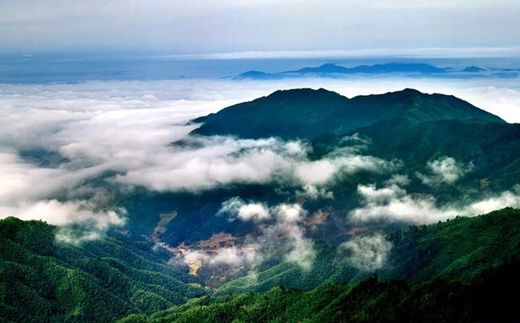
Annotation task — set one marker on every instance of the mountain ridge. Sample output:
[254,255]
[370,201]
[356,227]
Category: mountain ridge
[383,69]
[373,69]
[310,113]
[43,279]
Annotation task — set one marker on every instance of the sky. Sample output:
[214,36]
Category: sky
[448,27]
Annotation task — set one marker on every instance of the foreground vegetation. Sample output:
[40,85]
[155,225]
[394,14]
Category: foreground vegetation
[101,280]
[461,270]
[460,248]
[486,298]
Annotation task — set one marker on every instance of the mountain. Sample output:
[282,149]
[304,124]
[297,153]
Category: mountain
[448,250]
[420,68]
[385,69]
[325,68]
[102,280]
[257,75]
[307,113]
[461,270]
[486,299]
[473,69]
[44,280]
[408,126]
[492,148]
[333,69]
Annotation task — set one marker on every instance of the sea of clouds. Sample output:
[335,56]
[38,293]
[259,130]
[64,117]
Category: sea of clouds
[121,132]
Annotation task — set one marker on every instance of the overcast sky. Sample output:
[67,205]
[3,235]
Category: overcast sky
[223,26]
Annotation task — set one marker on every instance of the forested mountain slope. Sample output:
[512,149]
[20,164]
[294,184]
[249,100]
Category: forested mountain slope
[42,279]
[457,271]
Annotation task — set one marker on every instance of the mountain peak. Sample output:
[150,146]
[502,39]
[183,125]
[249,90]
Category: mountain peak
[407,93]
[309,113]
[330,65]
[409,90]
[473,69]
[302,91]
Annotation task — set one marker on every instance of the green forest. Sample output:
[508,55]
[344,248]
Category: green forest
[42,279]
[464,269]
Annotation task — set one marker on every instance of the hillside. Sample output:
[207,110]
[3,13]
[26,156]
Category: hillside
[459,249]
[45,280]
[307,113]
[460,270]
[372,300]
[493,149]
[407,126]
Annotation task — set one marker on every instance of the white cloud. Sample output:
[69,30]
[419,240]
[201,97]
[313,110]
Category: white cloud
[236,257]
[290,213]
[398,179]
[67,213]
[379,195]
[394,204]
[26,192]
[252,211]
[278,227]
[486,205]
[313,192]
[127,128]
[288,230]
[213,162]
[444,170]
[228,256]
[320,172]
[21,180]
[368,252]
[245,211]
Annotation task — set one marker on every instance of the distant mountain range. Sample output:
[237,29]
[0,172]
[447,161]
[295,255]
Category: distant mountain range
[373,69]
[407,69]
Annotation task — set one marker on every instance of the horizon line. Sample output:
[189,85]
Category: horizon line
[411,53]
